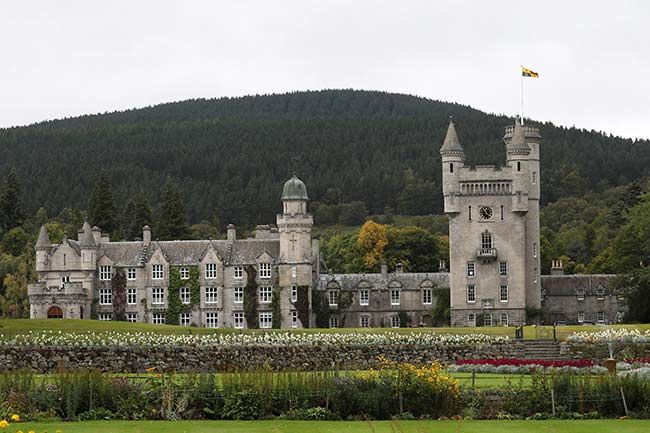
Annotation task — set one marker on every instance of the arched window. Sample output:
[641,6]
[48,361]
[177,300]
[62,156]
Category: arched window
[486,239]
[504,319]
[55,313]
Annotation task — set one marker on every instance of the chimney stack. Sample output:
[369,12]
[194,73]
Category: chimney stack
[442,266]
[146,235]
[231,233]
[384,270]
[557,267]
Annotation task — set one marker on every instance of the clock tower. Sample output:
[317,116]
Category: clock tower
[493,231]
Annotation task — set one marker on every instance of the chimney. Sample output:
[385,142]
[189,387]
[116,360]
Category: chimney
[263,232]
[231,233]
[146,235]
[384,270]
[97,234]
[557,267]
[442,266]
[399,268]
[105,237]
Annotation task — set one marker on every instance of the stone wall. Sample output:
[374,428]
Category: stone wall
[125,359]
[622,351]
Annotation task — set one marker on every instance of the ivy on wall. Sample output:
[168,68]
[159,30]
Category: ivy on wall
[118,295]
[302,305]
[323,311]
[441,311]
[275,308]
[174,305]
[250,298]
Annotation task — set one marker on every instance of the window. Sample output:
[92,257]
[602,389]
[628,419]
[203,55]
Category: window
[471,269]
[501,213]
[184,319]
[211,295]
[105,273]
[65,279]
[265,294]
[294,272]
[451,167]
[469,213]
[426,296]
[210,271]
[534,177]
[158,318]
[503,293]
[157,272]
[105,296]
[487,321]
[504,319]
[534,275]
[518,166]
[105,317]
[600,317]
[294,319]
[471,293]
[238,320]
[471,319]
[211,319]
[364,321]
[266,320]
[600,293]
[238,295]
[534,249]
[132,317]
[265,270]
[619,316]
[130,274]
[131,296]
[580,293]
[238,272]
[486,240]
[364,297]
[334,322]
[394,296]
[394,322]
[185,273]
[333,297]
[185,295]
[294,293]
[157,296]
[503,269]
[581,316]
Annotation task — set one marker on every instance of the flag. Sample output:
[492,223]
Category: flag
[525,72]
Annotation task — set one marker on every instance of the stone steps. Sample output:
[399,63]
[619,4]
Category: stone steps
[540,349]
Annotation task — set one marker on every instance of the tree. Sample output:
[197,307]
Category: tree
[415,248]
[15,241]
[172,223]
[101,208]
[11,213]
[636,287]
[118,287]
[14,303]
[137,214]
[353,213]
[371,242]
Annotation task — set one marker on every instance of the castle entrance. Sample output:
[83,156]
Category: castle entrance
[55,313]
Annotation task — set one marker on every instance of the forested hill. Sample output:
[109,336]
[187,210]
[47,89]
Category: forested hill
[231,156]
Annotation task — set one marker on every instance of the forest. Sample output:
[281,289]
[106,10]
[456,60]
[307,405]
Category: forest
[189,168]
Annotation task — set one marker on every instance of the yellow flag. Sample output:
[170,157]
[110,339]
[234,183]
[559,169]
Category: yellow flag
[525,72]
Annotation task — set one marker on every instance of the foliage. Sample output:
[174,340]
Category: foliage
[251,298]
[172,223]
[302,306]
[101,207]
[371,242]
[275,308]
[11,211]
[174,305]
[118,287]
[442,309]
[636,288]
[137,214]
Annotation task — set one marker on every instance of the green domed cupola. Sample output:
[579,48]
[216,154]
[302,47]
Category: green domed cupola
[294,189]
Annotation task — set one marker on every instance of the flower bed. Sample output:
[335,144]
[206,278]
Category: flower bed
[151,339]
[524,366]
[578,363]
[620,335]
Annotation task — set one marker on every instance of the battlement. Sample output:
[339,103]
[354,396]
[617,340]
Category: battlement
[503,187]
[530,131]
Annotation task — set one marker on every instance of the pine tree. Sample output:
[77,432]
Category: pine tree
[173,220]
[101,209]
[137,214]
[11,213]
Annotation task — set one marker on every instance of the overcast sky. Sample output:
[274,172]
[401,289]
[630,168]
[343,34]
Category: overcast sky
[65,58]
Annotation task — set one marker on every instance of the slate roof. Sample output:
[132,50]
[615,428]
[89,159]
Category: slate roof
[407,280]
[566,285]
[451,143]
[87,239]
[122,253]
[43,238]
[518,141]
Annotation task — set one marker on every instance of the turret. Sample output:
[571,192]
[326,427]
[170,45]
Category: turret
[295,223]
[453,159]
[43,247]
[88,247]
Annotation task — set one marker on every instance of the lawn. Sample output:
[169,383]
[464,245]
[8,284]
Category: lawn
[9,327]
[463,426]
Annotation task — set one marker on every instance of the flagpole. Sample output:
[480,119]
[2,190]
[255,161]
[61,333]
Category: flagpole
[521,79]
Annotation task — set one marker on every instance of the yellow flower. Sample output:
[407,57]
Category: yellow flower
[19,431]
[31,431]
[15,417]
[4,424]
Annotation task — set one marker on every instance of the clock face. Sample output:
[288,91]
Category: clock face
[485,213]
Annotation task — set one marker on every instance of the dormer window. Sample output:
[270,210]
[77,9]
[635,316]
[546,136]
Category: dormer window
[265,270]
[105,273]
[157,272]
[211,271]
[600,293]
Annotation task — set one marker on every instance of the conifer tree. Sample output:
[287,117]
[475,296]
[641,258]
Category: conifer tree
[11,213]
[101,208]
[137,214]
[172,223]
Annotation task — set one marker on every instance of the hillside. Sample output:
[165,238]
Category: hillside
[230,156]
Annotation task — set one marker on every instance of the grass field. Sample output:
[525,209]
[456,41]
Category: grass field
[462,426]
[9,327]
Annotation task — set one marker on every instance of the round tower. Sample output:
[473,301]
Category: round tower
[88,248]
[453,159]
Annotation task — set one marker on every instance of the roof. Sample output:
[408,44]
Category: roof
[407,280]
[43,238]
[518,141]
[566,285]
[87,239]
[451,143]
[122,253]
[294,189]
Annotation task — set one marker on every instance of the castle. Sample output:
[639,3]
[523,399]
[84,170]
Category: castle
[274,280]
